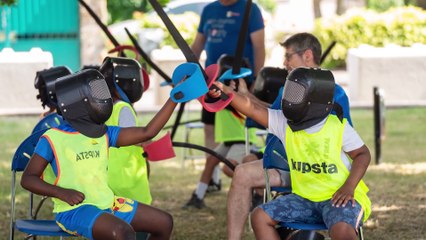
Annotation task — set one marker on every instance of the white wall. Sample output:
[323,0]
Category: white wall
[18,71]
[399,71]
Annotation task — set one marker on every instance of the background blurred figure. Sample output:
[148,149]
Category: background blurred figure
[217,34]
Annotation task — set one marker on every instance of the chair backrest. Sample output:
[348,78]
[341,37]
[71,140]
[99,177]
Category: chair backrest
[275,155]
[250,123]
[25,150]
[49,121]
[32,227]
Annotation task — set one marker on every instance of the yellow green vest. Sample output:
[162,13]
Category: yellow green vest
[230,128]
[82,165]
[127,170]
[316,168]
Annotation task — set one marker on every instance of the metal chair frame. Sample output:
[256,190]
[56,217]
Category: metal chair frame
[31,226]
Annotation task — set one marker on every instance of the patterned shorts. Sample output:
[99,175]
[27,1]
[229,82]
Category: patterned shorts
[293,208]
[80,221]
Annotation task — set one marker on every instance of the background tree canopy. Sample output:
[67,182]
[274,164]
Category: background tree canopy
[7,2]
[120,10]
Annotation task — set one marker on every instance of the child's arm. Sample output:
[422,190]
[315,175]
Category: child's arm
[361,159]
[243,104]
[32,182]
[243,90]
[134,135]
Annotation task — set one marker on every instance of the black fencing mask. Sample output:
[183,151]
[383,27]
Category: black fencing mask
[45,84]
[123,75]
[308,97]
[85,101]
[268,83]
[225,63]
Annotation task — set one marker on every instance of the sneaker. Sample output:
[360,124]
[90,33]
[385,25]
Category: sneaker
[194,202]
[214,187]
[256,200]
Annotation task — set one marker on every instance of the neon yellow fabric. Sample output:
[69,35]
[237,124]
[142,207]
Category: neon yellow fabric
[127,169]
[316,168]
[48,175]
[262,150]
[229,127]
[84,162]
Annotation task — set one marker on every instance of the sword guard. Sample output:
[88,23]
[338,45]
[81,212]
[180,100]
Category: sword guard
[188,83]
[224,100]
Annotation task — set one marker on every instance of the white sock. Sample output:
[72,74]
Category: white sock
[216,174]
[201,190]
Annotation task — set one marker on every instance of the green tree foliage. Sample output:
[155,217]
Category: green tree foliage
[120,10]
[7,2]
[268,5]
[186,24]
[383,5]
[402,26]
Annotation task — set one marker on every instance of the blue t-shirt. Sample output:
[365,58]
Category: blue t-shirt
[44,149]
[221,26]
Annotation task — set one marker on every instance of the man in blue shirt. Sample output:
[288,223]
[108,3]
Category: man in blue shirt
[217,34]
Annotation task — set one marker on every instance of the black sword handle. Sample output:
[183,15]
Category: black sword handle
[147,58]
[236,66]
[184,47]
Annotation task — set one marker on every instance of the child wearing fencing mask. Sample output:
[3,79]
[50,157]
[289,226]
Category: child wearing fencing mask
[327,158]
[127,168]
[70,164]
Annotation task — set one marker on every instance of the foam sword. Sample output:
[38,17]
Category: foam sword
[138,49]
[210,73]
[162,74]
[117,47]
[146,57]
[237,71]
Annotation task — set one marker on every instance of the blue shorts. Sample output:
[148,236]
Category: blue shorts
[293,208]
[80,221]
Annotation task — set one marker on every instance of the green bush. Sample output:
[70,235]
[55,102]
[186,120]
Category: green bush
[402,26]
[7,2]
[268,5]
[186,24]
[383,5]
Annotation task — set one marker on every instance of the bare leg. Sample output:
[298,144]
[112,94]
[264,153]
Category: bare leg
[107,226]
[154,221]
[227,171]
[246,176]
[209,137]
[342,231]
[250,158]
[263,225]
[211,163]
[209,142]
[197,197]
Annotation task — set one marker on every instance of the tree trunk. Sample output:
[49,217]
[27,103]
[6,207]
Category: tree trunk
[421,3]
[340,7]
[317,9]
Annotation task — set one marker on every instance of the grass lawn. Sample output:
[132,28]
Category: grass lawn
[397,186]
